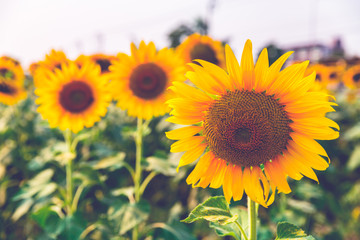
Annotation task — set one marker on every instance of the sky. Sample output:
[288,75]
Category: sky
[29,29]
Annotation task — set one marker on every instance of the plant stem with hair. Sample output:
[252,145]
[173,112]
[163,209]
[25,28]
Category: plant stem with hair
[252,215]
[138,170]
[69,170]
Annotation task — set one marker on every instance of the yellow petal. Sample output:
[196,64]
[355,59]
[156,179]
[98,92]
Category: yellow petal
[228,181]
[274,171]
[190,92]
[233,68]
[308,143]
[287,78]
[237,183]
[186,144]
[200,169]
[261,67]
[274,69]
[313,160]
[288,168]
[191,155]
[217,86]
[319,133]
[184,132]
[184,120]
[208,177]
[303,168]
[247,66]
[200,81]
[218,74]
[219,174]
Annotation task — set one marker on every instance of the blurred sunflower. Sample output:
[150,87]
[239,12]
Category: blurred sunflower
[16,62]
[322,73]
[73,98]
[139,82]
[104,61]
[11,71]
[202,47]
[253,125]
[352,77]
[52,61]
[334,75]
[11,93]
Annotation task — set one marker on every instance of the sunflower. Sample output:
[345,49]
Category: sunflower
[16,62]
[251,126]
[104,61]
[11,71]
[352,77]
[139,82]
[322,73]
[73,97]
[202,47]
[335,73]
[11,93]
[52,61]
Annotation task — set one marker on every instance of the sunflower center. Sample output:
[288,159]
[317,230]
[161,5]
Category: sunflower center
[333,75]
[6,89]
[6,73]
[104,65]
[318,77]
[246,128]
[204,52]
[76,96]
[148,81]
[356,77]
[242,135]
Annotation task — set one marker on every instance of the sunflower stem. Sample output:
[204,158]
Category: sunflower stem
[138,170]
[69,170]
[252,214]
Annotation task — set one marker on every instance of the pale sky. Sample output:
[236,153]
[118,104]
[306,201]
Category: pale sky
[31,28]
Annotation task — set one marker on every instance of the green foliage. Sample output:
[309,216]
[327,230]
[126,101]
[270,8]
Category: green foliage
[289,231]
[231,229]
[128,215]
[215,209]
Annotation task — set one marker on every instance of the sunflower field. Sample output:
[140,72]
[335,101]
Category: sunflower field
[183,142]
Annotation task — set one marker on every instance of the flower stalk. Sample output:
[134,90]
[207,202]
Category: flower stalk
[138,170]
[69,170]
[252,215]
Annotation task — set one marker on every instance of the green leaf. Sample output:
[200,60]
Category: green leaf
[161,165]
[22,209]
[41,178]
[126,191]
[39,184]
[231,229]
[112,163]
[354,161]
[72,227]
[226,230]
[176,232]
[288,231]
[47,190]
[49,220]
[215,209]
[129,215]
[353,133]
